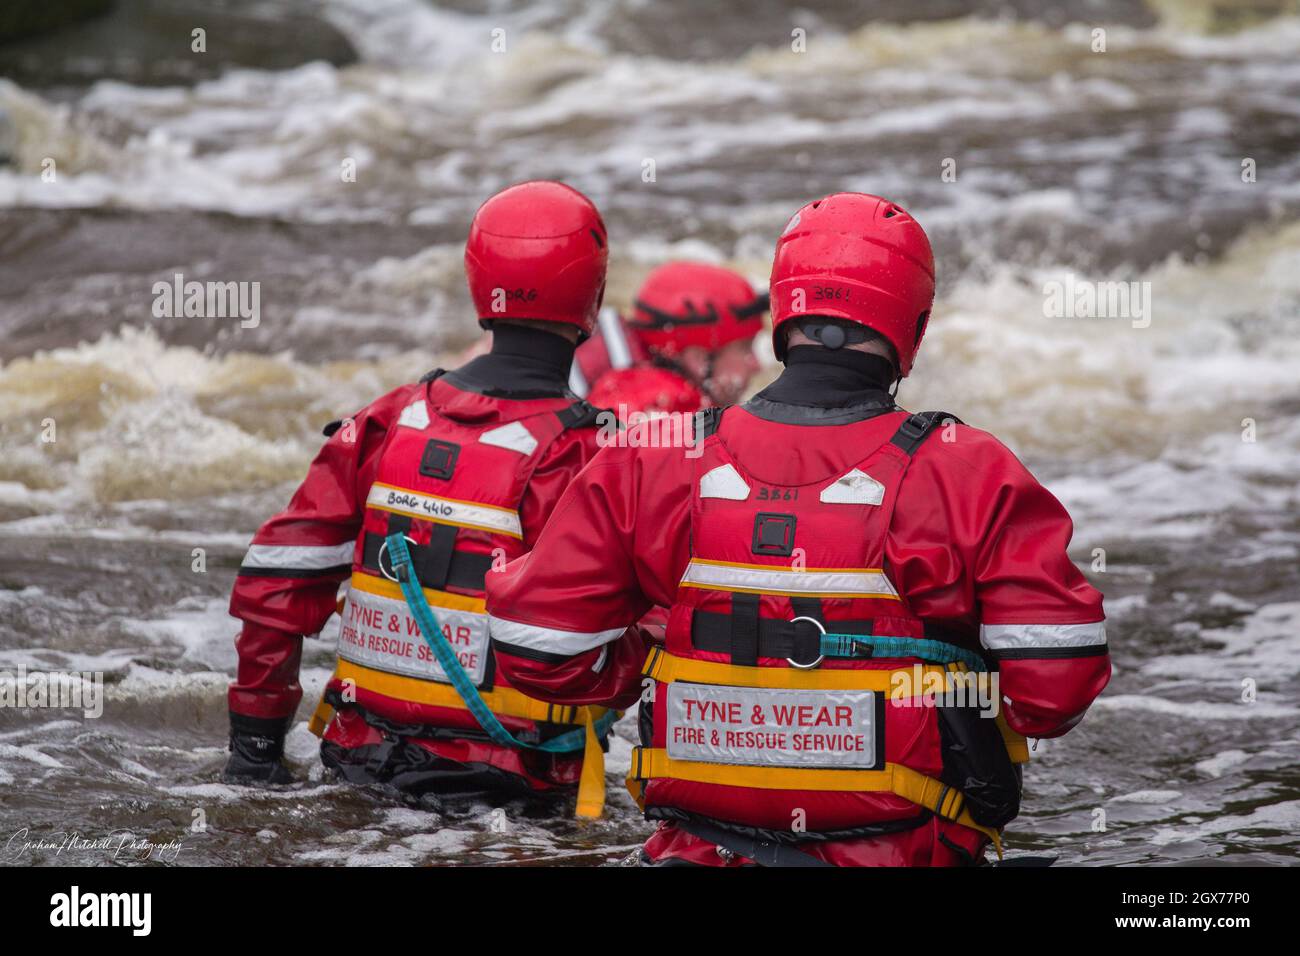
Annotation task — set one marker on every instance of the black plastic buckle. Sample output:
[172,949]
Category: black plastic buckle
[773,534]
[439,459]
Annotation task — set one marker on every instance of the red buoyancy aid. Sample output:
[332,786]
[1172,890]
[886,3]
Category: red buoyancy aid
[751,726]
[454,489]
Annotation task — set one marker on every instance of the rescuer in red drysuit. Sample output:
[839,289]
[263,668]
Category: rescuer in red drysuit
[468,464]
[694,324]
[816,545]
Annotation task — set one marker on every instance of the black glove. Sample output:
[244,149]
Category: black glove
[256,746]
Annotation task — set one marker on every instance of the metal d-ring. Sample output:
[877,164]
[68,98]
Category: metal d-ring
[379,559]
[820,657]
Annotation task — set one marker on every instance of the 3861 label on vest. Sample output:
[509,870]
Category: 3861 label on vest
[380,633]
[772,727]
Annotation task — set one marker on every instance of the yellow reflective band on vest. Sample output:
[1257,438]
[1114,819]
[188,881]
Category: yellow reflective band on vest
[453,511]
[373,584]
[788,582]
[934,795]
[503,701]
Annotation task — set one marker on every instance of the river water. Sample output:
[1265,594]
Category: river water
[1171,436]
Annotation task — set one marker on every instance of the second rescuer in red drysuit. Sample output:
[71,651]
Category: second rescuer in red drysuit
[831,562]
[695,324]
[466,466]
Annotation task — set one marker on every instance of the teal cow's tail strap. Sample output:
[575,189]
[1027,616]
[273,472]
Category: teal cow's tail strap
[867,645]
[400,556]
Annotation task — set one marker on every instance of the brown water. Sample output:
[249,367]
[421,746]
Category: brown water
[177,434]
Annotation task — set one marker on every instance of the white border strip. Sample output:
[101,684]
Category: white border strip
[432,508]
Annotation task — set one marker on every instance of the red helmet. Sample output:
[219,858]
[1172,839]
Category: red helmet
[690,303]
[860,258]
[537,251]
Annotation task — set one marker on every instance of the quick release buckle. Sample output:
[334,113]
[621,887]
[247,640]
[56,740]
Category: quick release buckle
[820,632]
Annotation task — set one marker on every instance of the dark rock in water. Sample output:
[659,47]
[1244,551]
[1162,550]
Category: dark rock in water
[8,139]
[152,42]
[20,19]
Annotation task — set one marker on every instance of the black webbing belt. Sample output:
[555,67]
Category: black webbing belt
[437,564]
[797,641]
[762,852]
[793,640]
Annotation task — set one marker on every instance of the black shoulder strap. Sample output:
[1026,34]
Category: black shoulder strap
[329,430]
[708,421]
[581,414]
[917,428]
[431,375]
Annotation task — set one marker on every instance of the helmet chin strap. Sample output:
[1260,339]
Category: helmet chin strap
[833,335]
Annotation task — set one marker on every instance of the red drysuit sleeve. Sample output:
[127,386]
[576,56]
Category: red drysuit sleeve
[563,617]
[560,464]
[976,540]
[289,579]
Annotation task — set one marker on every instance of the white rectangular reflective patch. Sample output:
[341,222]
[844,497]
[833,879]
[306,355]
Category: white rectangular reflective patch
[772,727]
[449,510]
[379,632]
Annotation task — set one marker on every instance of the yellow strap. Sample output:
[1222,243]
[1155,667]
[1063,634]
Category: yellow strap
[591,785]
[667,668]
[382,587]
[1017,746]
[320,718]
[503,701]
[933,795]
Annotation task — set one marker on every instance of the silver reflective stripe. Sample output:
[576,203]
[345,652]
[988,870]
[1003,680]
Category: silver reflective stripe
[549,639]
[448,510]
[859,582]
[1006,637]
[299,557]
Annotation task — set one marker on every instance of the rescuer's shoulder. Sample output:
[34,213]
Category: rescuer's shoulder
[387,409]
[961,449]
